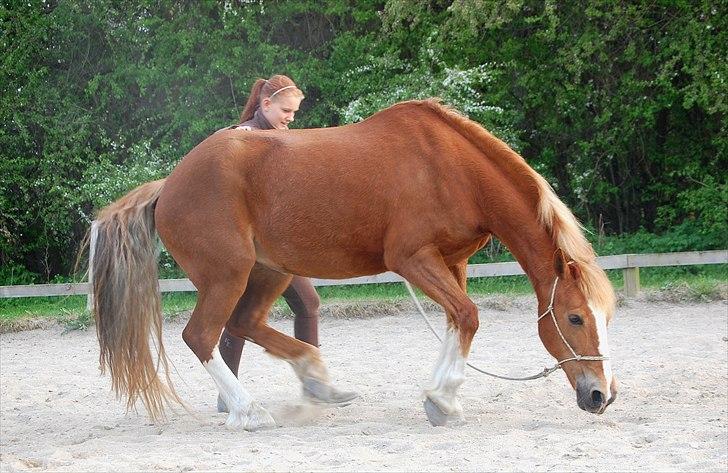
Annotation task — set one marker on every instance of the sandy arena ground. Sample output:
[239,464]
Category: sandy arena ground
[57,412]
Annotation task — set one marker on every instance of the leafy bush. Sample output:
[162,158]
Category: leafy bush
[15,274]
[688,236]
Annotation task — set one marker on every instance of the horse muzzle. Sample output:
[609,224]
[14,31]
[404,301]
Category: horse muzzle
[591,398]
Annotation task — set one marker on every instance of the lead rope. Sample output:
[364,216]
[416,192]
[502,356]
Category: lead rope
[542,374]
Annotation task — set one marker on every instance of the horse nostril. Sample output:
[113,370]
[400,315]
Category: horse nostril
[597,397]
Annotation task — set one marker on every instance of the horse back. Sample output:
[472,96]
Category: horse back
[330,202]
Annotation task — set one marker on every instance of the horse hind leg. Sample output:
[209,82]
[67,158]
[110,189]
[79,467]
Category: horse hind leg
[446,286]
[306,362]
[216,300]
[261,291]
[249,321]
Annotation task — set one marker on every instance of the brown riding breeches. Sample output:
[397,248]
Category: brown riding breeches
[304,302]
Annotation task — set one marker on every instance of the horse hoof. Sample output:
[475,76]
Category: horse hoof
[318,392]
[221,407]
[236,422]
[434,414]
[259,418]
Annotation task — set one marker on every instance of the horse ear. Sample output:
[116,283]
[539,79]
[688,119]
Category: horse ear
[574,269]
[559,263]
[565,269]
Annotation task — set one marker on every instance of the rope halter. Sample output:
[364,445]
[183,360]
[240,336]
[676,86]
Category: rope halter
[542,374]
[574,356]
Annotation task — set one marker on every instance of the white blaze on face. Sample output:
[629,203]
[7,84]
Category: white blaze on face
[601,323]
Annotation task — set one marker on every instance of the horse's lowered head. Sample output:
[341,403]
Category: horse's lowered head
[573,328]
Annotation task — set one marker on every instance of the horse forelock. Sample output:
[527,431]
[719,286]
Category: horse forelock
[560,223]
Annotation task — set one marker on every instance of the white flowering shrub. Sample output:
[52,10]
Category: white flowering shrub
[389,80]
[105,181]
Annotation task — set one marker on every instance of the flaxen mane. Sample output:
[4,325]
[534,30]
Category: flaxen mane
[558,220]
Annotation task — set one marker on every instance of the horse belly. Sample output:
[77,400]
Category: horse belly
[334,253]
[328,265]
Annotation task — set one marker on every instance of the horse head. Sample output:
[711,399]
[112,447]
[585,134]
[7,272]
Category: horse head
[574,331]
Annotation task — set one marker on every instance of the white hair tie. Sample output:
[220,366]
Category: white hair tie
[282,88]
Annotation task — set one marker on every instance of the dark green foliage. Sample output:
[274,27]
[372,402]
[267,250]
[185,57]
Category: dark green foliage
[621,105]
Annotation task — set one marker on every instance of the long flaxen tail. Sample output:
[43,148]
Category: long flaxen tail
[126,299]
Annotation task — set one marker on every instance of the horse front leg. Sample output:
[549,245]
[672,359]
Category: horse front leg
[446,286]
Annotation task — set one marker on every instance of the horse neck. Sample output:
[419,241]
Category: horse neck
[507,192]
[512,218]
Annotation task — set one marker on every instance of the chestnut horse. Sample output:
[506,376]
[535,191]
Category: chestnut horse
[415,189]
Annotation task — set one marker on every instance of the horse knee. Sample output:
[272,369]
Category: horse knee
[466,319]
[470,323]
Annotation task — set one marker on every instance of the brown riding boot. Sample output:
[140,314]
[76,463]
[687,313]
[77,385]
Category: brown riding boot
[231,347]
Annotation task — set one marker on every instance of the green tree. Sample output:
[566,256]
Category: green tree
[621,104]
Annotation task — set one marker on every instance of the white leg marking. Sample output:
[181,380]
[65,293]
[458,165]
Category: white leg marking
[449,374]
[245,413]
[601,322]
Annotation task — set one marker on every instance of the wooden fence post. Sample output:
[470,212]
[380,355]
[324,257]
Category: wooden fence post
[631,281]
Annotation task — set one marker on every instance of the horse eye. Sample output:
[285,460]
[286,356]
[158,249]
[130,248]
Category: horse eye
[575,319]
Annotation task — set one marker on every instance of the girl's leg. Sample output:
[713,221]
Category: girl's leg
[303,300]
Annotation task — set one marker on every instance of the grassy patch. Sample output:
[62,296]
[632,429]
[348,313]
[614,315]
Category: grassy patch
[499,285]
[40,307]
[686,283]
[33,312]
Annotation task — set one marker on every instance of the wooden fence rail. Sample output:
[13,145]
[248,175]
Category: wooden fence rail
[629,264]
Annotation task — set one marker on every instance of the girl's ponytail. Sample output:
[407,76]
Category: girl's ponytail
[253,101]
